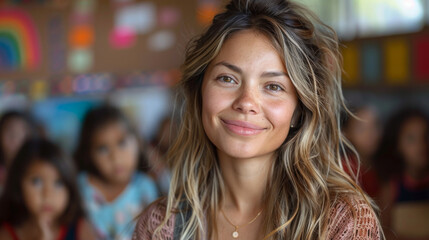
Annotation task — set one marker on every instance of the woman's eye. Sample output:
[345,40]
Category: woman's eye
[226,79]
[274,87]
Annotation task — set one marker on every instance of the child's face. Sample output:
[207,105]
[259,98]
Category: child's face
[364,134]
[45,195]
[413,143]
[115,152]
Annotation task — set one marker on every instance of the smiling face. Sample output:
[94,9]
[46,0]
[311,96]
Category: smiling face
[45,194]
[247,98]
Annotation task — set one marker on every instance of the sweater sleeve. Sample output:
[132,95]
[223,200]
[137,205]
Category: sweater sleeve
[353,218]
[149,220]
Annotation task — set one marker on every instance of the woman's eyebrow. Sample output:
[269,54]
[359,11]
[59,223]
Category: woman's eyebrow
[274,74]
[230,66]
[239,71]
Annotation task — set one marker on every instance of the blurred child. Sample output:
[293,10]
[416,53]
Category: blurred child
[403,160]
[41,200]
[363,132]
[15,128]
[112,182]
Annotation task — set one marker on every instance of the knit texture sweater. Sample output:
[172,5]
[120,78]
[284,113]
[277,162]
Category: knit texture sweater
[349,218]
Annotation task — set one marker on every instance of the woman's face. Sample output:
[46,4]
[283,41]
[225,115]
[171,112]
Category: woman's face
[247,98]
[45,194]
[115,152]
[413,143]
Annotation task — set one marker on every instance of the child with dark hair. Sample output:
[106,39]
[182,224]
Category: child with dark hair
[41,199]
[402,163]
[364,134]
[15,128]
[112,182]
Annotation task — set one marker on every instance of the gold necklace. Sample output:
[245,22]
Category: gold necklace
[235,233]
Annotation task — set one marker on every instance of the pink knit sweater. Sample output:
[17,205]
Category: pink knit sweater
[341,222]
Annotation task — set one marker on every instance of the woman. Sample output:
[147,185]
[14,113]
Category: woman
[258,154]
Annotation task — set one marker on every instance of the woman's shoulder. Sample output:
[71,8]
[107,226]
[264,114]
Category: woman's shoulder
[150,219]
[351,217]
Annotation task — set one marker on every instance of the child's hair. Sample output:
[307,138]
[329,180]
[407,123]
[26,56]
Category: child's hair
[5,118]
[389,161]
[12,205]
[94,120]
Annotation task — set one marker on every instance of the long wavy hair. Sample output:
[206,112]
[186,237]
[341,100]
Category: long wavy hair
[308,174]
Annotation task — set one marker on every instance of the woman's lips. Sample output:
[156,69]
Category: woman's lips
[242,128]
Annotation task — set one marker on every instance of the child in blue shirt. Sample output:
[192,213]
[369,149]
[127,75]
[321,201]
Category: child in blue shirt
[113,185]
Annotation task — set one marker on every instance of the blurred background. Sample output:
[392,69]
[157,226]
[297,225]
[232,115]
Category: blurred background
[59,58]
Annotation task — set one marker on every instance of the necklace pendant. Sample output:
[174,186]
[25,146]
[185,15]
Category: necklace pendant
[235,234]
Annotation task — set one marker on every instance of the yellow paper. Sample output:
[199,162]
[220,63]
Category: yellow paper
[351,64]
[39,90]
[396,61]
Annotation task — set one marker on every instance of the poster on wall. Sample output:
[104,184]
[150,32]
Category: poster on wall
[19,41]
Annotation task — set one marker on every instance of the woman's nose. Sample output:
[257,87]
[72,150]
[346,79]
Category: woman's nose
[247,101]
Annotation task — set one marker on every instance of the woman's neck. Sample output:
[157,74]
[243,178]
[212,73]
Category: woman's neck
[245,183]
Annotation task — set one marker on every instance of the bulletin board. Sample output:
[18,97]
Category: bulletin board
[395,61]
[61,47]
[56,39]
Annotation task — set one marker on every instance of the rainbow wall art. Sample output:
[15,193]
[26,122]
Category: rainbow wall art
[19,42]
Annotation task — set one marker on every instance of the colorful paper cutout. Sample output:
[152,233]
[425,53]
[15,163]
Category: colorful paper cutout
[39,90]
[122,38]
[140,17]
[19,42]
[81,36]
[80,60]
[397,62]
[161,41]
[350,55]
[421,59]
[206,13]
[169,16]
[371,63]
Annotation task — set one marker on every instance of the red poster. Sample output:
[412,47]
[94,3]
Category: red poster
[421,59]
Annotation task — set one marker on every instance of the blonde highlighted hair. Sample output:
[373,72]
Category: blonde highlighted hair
[308,173]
